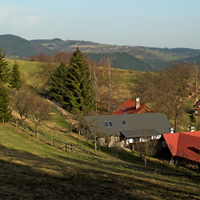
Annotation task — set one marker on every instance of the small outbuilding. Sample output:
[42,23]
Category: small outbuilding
[182,148]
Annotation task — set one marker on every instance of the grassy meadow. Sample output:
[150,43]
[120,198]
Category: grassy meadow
[33,169]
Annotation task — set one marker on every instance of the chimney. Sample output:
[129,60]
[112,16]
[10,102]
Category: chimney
[137,103]
[191,128]
[171,130]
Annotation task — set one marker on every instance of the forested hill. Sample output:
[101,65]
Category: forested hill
[123,57]
[124,60]
[191,60]
[17,47]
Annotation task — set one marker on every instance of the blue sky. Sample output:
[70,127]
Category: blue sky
[153,23]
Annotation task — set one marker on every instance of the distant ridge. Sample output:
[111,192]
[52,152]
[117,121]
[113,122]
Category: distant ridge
[123,57]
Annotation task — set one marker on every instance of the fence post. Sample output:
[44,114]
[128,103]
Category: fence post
[46,138]
[16,123]
[66,147]
[52,141]
[63,146]
[72,147]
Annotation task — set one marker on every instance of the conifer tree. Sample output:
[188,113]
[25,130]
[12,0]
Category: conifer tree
[57,87]
[79,87]
[4,101]
[3,69]
[15,80]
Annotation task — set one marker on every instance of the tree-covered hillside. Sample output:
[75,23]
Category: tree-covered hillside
[122,60]
[14,46]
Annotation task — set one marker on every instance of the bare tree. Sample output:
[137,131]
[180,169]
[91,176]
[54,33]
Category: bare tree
[164,90]
[21,102]
[91,131]
[146,149]
[111,79]
[95,77]
[39,110]
[172,94]
[141,84]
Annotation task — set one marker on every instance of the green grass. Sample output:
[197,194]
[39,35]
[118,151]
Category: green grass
[31,169]
[27,69]
[35,74]
[166,57]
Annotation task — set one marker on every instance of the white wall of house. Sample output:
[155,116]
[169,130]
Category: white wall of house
[155,137]
[128,141]
[115,142]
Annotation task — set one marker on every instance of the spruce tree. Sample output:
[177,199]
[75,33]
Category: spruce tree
[79,87]
[3,68]
[15,80]
[57,87]
[4,101]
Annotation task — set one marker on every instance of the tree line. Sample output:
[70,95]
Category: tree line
[80,85]
[21,99]
[167,91]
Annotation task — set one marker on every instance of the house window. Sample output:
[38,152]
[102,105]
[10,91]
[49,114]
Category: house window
[164,144]
[110,123]
[123,122]
[130,140]
[121,107]
[196,112]
[124,108]
[106,123]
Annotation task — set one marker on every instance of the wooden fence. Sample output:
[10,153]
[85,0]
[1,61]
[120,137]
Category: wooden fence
[64,146]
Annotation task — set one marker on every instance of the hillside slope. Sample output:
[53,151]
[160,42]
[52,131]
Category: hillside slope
[33,169]
[123,60]
[18,47]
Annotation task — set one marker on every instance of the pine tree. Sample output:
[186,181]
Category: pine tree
[4,101]
[79,87]
[57,87]
[3,69]
[15,80]
[5,114]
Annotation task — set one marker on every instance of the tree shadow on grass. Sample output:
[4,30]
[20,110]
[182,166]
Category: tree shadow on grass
[78,179]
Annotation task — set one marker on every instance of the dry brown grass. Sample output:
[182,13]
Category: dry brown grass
[31,169]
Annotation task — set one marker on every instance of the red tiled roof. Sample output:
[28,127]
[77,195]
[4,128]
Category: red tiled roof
[129,107]
[184,144]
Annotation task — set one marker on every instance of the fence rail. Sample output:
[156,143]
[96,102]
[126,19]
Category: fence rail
[64,146]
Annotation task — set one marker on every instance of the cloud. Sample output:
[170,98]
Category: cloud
[15,17]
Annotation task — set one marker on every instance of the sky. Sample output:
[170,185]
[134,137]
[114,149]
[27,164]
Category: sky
[152,23]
